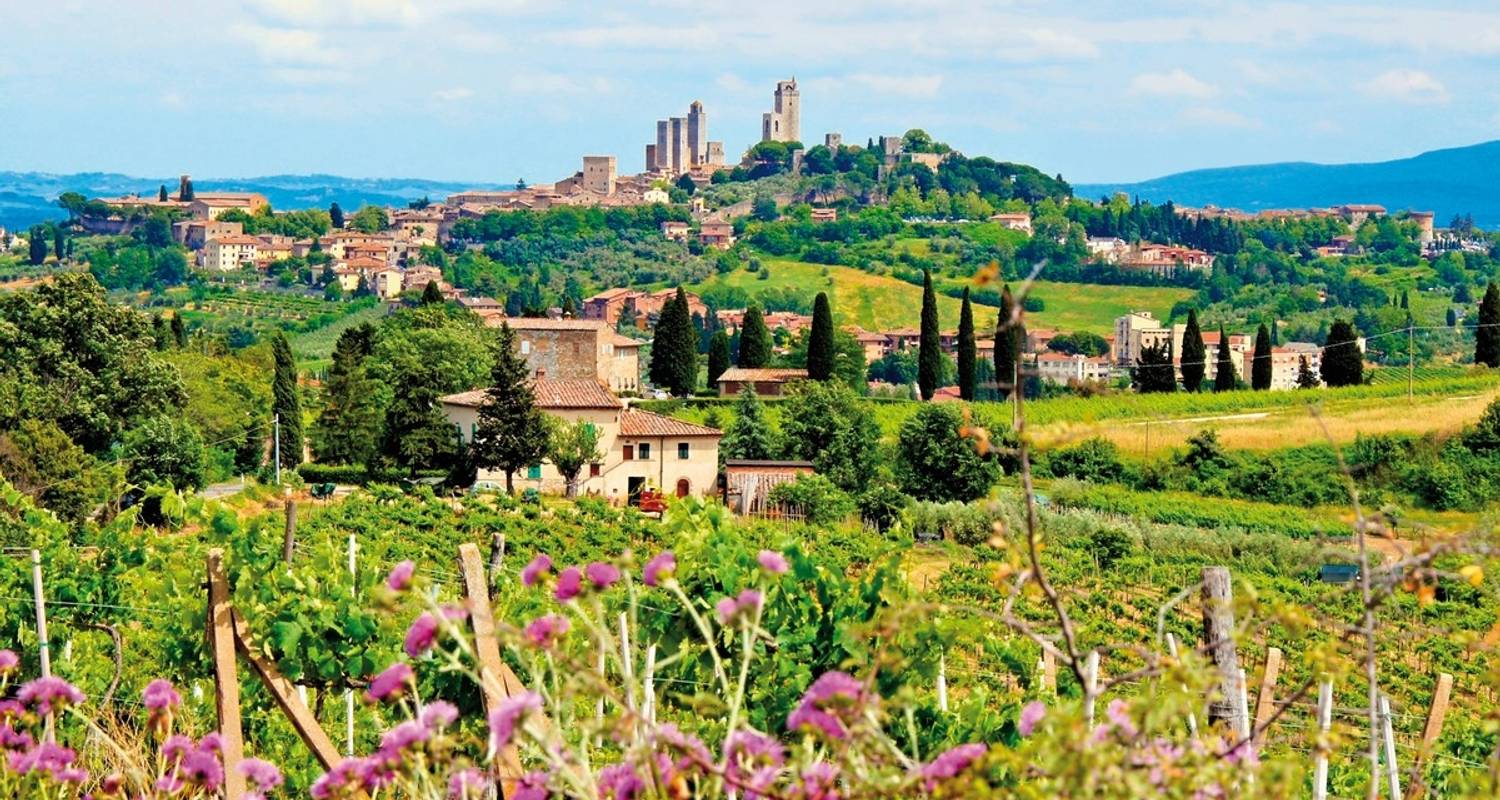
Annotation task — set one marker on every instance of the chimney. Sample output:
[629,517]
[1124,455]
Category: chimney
[541,373]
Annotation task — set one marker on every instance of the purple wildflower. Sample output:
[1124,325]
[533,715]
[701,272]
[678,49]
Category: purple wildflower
[693,752]
[9,662]
[819,782]
[396,741]
[659,568]
[830,705]
[543,631]
[45,695]
[202,768]
[951,762]
[1030,716]
[536,570]
[601,574]
[263,774]
[11,739]
[750,600]
[389,684]
[175,747]
[752,759]
[159,695]
[1243,754]
[533,786]
[772,562]
[421,635]
[400,577]
[727,609]
[211,742]
[467,784]
[10,709]
[509,715]
[620,782]
[439,714]
[569,584]
[1119,714]
[72,775]
[329,783]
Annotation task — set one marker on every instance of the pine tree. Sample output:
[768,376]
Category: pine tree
[1405,299]
[929,350]
[1223,365]
[1154,371]
[674,348]
[336,216]
[755,340]
[432,295]
[718,357]
[161,194]
[179,331]
[1260,361]
[1452,318]
[512,433]
[966,349]
[568,309]
[820,340]
[285,403]
[1487,335]
[1343,363]
[1194,354]
[348,427]
[1306,378]
[1007,346]
[749,434]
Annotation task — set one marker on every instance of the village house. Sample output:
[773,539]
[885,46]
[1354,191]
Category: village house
[638,450]
[385,281]
[194,234]
[416,278]
[716,234]
[748,482]
[1020,221]
[231,252]
[875,345]
[730,319]
[1066,369]
[676,230]
[1356,213]
[209,205]
[274,248]
[576,349]
[765,381]
[419,226]
[611,304]
[825,215]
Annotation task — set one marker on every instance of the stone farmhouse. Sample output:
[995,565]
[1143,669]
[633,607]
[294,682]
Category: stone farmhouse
[576,349]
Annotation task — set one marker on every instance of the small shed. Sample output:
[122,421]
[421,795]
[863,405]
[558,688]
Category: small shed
[748,482]
[765,381]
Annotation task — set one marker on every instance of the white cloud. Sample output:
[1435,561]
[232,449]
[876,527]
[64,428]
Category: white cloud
[319,13]
[455,93]
[1176,83]
[287,46]
[733,83]
[557,83]
[1209,117]
[898,85]
[1411,86]
[171,99]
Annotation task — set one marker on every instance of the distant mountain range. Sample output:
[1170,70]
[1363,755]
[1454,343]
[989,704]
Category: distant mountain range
[27,198]
[1458,180]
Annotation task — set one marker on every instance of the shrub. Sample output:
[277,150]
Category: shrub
[1095,459]
[1108,545]
[881,506]
[967,524]
[818,498]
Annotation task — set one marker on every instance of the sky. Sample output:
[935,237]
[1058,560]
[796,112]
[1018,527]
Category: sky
[494,90]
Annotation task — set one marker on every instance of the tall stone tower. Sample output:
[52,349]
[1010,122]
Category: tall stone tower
[783,123]
[697,134]
[663,145]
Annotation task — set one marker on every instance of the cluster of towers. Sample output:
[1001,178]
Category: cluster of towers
[682,143]
[783,122]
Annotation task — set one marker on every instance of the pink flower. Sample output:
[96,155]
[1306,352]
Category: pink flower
[400,577]
[602,575]
[1119,714]
[533,786]
[389,684]
[669,738]
[395,742]
[536,570]
[950,763]
[467,784]
[819,782]
[9,662]
[569,584]
[175,747]
[211,741]
[439,714]
[772,562]
[749,601]
[511,713]
[159,695]
[752,760]
[726,608]
[659,568]
[345,773]
[45,695]
[263,774]
[620,782]
[543,631]
[1030,716]
[829,706]
[202,768]
[421,635]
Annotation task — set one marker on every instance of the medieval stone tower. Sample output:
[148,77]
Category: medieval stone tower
[784,122]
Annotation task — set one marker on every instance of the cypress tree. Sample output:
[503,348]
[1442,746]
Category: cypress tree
[1194,354]
[36,245]
[1405,299]
[285,403]
[1306,378]
[1260,362]
[820,340]
[718,356]
[1343,363]
[179,331]
[1452,318]
[1275,333]
[432,295]
[1487,335]
[929,352]
[683,369]
[966,352]
[161,194]
[1223,365]
[1007,346]
[755,340]
[512,433]
[1154,371]
[336,215]
[569,311]
[749,434]
[59,242]
[186,194]
[348,428]
[159,331]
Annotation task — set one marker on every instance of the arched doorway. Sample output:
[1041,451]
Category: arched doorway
[683,487]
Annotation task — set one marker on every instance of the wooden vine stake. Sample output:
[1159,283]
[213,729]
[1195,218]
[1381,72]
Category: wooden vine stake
[1265,704]
[1431,733]
[498,680]
[1218,637]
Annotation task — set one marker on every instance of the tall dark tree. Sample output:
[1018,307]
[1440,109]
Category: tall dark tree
[1306,378]
[820,340]
[1260,360]
[1223,365]
[1405,299]
[285,403]
[59,242]
[674,348]
[1007,346]
[432,295]
[348,428]
[755,340]
[1343,362]
[1154,371]
[1194,354]
[966,349]
[929,349]
[185,190]
[1487,335]
[569,311]
[336,215]
[1451,318]
[179,331]
[718,357]
[161,194]
[512,433]
[36,241]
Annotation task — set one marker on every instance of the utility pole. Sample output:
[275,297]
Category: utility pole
[276,445]
[1411,355]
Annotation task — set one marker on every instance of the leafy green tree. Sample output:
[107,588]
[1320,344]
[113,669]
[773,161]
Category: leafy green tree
[1306,378]
[1223,365]
[929,350]
[432,295]
[1008,338]
[164,450]
[755,340]
[820,341]
[347,430]
[718,356]
[1194,354]
[1451,318]
[1260,361]
[825,423]
[512,432]
[39,460]
[937,461]
[1343,362]
[674,348]
[966,349]
[370,219]
[749,434]
[1154,371]
[764,208]
[285,402]
[571,446]
[686,184]
[154,231]
[1487,335]
[179,331]
[335,216]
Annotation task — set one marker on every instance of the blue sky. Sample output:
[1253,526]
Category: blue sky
[491,90]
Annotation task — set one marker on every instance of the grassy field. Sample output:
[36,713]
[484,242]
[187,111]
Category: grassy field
[881,302]
[314,348]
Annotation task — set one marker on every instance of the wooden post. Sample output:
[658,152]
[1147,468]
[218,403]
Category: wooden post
[288,696]
[942,682]
[648,704]
[349,693]
[1049,672]
[226,680]
[1244,706]
[1091,683]
[1392,776]
[497,553]
[1432,732]
[289,539]
[1192,718]
[1266,702]
[1325,720]
[43,646]
[1218,637]
[498,682]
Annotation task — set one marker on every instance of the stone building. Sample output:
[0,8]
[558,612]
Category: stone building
[766,382]
[576,349]
[697,134]
[599,174]
[783,123]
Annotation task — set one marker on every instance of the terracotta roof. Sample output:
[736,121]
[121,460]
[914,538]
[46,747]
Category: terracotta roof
[551,393]
[644,423]
[762,375]
[546,324]
[610,294]
[622,341]
[363,262]
[235,238]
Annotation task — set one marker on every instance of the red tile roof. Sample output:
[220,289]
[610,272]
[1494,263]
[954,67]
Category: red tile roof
[763,375]
[644,423]
[551,393]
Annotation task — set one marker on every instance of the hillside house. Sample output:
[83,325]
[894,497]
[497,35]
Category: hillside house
[716,234]
[209,205]
[1065,369]
[1014,221]
[231,252]
[765,381]
[576,349]
[675,230]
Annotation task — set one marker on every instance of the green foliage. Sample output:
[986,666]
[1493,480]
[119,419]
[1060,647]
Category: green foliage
[1487,335]
[929,353]
[938,461]
[1343,361]
[1260,363]
[1154,371]
[820,341]
[347,430]
[820,501]
[881,506]
[369,219]
[966,350]
[164,450]
[755,340]
[1180,508]
[1008,340]
[39,460]
[431,294]
[286,404]
[967,524]
[512,432]
[674,348]
[718,357]
[1224,372]
[1194,354]
[824,423]
[749,435]
[1096,459]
